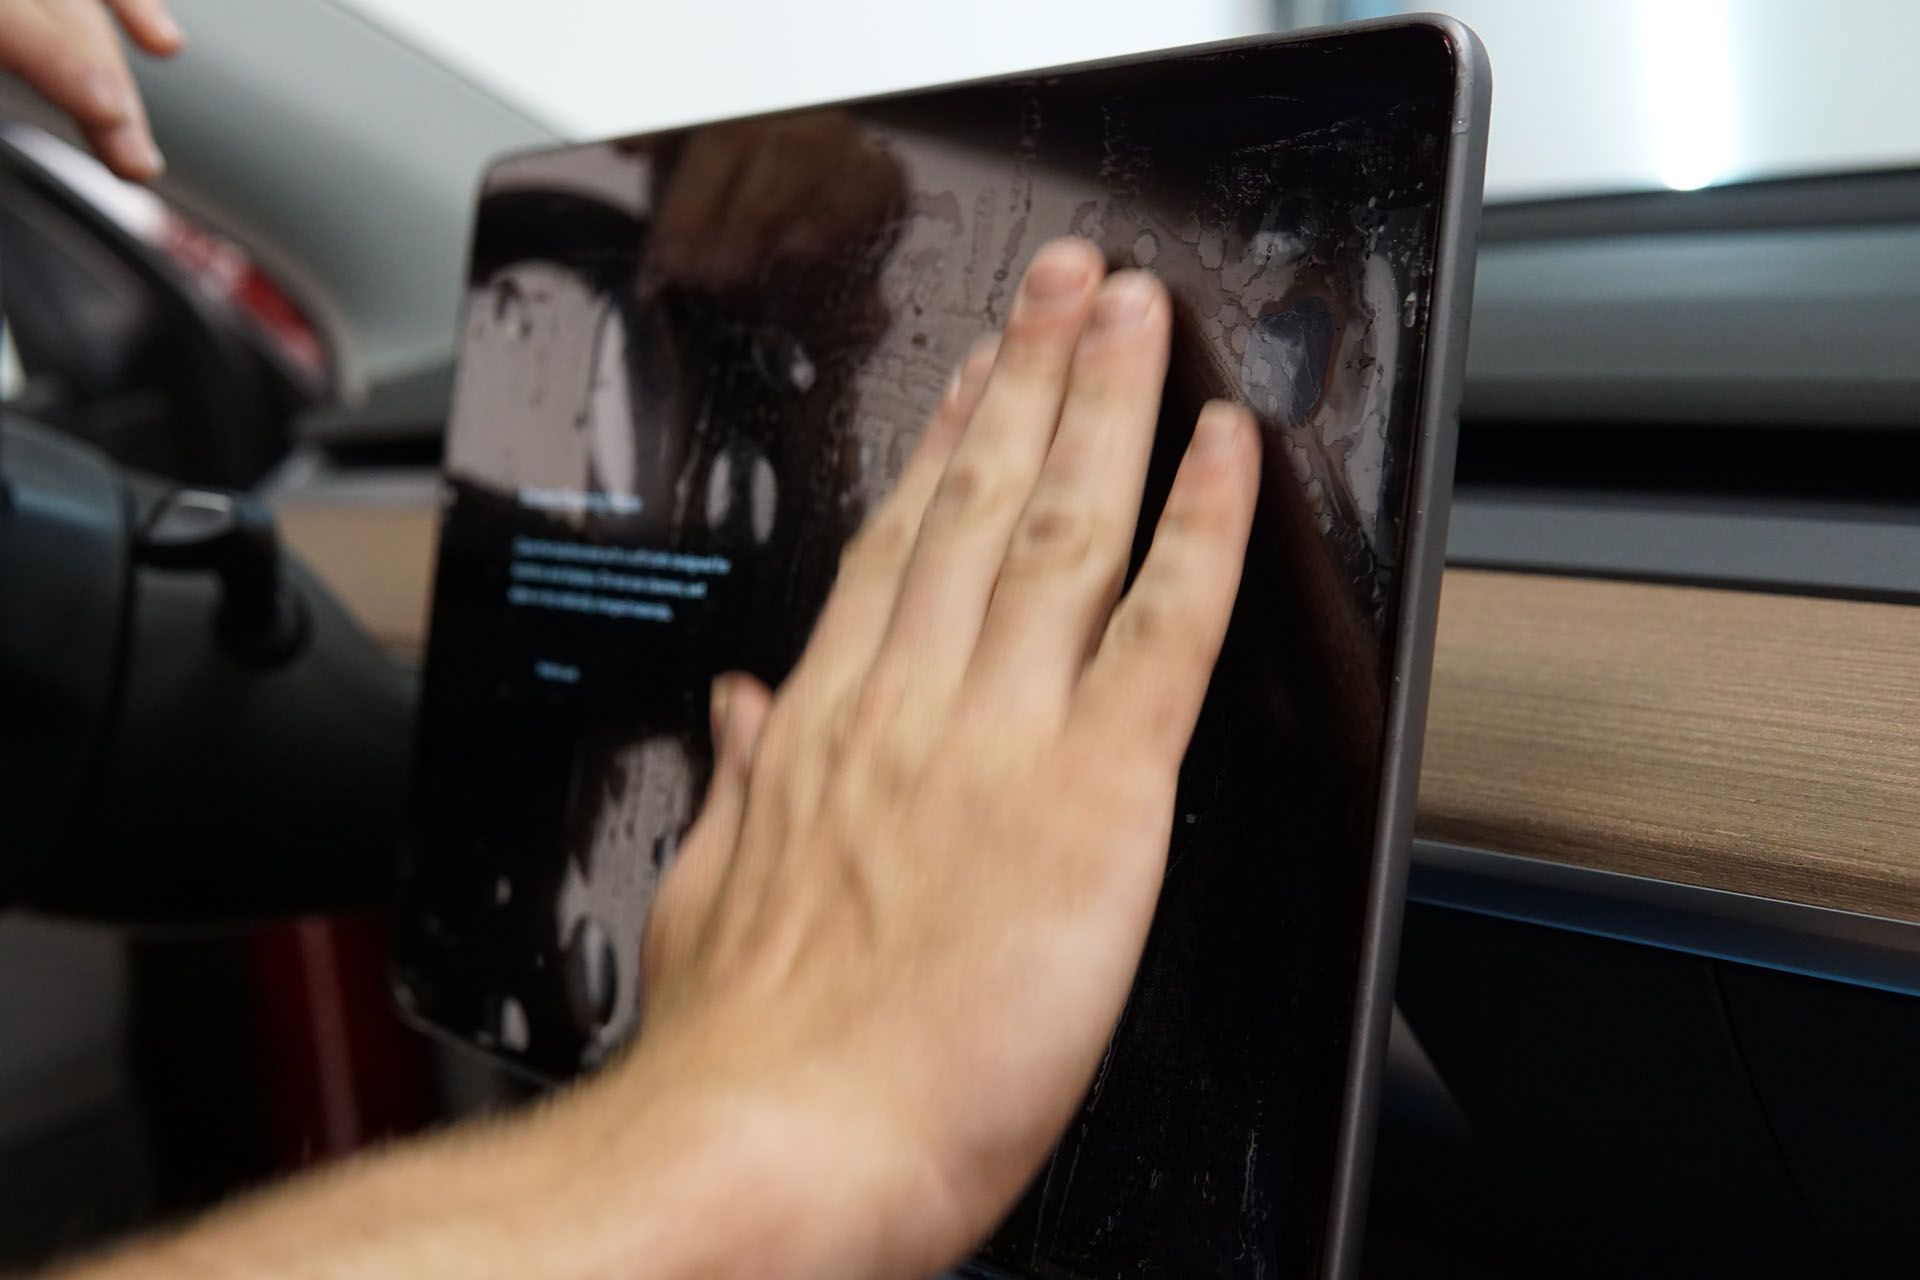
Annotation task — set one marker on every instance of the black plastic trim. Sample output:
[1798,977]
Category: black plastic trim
[1800,548]
[1841,946]
[1811,326]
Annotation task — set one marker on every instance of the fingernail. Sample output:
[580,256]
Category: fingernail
[1123,304]
[1218,431]
[1060,271]
[166,28]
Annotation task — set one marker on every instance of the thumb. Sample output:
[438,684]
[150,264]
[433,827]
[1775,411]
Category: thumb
[736,710]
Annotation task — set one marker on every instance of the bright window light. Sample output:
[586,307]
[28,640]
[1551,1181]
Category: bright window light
[1688,69]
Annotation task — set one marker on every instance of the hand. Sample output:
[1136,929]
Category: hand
[884,968]
[904,925]
[68,52]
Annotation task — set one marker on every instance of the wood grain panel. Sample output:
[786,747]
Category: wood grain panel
[1763,744]
[377,559]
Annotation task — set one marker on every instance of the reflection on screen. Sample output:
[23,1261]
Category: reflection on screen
[692,361]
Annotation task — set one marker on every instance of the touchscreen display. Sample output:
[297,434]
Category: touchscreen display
[691,362]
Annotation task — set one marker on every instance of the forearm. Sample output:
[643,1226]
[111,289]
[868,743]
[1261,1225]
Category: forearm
[494,1199]
[633,1175]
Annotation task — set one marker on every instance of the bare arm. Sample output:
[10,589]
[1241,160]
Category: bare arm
[882,972]
[623,1177]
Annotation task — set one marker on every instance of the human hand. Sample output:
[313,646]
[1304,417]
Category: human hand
[903,927]
[68,52]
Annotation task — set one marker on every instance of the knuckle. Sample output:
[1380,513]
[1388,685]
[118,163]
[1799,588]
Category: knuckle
[1056,535]
[843,726]
[1142,623]
[880,695]
[882,546]
[1189,522]
[967,494]
[87,89]
[1150,617]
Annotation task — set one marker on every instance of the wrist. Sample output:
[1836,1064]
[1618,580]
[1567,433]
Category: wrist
[723,1172]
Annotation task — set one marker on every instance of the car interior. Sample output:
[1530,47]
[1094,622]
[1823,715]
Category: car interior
[1657,1010]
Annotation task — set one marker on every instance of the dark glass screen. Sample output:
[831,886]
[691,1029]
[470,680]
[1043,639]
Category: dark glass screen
[691,361]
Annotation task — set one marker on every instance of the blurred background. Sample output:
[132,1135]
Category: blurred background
[1697,304]
[1593,97]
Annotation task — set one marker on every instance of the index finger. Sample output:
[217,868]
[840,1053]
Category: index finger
[70,56]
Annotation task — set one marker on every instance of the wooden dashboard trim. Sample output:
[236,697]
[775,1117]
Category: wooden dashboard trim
[1760,744]
[1757,743]
[376,557]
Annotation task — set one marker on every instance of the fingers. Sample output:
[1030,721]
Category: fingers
[868,584]
[969,520]
[69,54]
[127,146]
[1147,680]
[738,710]
[149,25]
[1068,555]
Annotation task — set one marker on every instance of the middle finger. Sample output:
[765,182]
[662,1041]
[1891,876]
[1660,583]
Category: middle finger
[963,537]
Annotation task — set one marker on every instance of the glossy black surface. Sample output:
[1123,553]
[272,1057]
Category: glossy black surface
[661,439]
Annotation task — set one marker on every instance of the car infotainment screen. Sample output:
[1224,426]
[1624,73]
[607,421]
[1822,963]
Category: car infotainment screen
[691,362]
